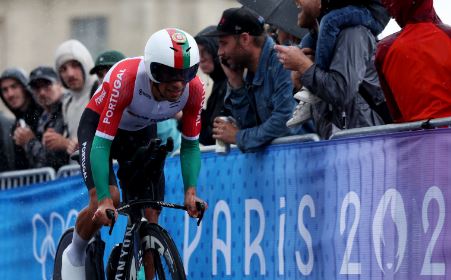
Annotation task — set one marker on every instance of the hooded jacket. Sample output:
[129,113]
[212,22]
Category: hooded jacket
[30,115]
[414,65]
[377,10]
[215,103]
[6,145]
[74,105]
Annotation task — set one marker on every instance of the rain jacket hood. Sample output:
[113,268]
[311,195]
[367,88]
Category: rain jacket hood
[74,50]
[211,45]
[32,113]
[74,105]
[411,11]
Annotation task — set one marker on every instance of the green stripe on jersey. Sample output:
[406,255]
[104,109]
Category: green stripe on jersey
[186,54]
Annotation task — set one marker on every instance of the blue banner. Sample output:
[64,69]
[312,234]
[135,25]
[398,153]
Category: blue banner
[362,208]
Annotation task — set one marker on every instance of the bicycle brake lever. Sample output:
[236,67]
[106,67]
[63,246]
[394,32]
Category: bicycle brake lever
[110,215]
[201,208]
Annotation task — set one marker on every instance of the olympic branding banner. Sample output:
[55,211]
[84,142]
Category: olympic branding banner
[363,208]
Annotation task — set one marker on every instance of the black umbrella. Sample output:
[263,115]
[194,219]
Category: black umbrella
[281,13]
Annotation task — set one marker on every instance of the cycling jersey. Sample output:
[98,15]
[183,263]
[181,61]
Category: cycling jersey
[125,101]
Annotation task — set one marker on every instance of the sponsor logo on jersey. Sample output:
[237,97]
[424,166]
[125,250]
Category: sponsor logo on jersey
[117,84]
[198,119]
[179,37]
[83,160]
[141,92]
[100,98]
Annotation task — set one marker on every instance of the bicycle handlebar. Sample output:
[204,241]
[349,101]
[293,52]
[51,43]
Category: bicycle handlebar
[145,203]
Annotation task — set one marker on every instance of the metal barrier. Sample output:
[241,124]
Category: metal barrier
[311,137]
[14,179]
[68,170]
[391,128]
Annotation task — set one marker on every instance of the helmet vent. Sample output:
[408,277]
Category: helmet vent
[187,50]
[173,49]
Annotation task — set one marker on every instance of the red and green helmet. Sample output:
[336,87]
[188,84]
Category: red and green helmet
[171,54]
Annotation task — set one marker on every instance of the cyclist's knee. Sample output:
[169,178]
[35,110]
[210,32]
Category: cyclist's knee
[152,215]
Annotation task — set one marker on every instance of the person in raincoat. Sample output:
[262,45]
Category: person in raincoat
[414,65]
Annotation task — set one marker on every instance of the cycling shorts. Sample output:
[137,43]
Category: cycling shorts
[123,149]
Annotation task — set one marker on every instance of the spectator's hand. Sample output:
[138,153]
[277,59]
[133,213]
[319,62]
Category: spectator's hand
[294,58]
[72,146]
[23,135]
[52,140]
[190,202]
[225,131]
[234,74]
[100,216]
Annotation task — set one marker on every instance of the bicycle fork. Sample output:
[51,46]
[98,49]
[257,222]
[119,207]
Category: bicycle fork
[129,259]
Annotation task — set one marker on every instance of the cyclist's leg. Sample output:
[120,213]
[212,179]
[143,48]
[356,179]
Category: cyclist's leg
[127,146]
[85,228]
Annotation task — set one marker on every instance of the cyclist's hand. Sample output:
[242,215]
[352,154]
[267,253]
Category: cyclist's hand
[100,216]
[190,202]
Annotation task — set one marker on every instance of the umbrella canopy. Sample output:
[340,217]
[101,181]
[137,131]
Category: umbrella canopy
[281,13]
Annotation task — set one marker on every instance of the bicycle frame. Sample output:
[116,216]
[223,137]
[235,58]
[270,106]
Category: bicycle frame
[130,258]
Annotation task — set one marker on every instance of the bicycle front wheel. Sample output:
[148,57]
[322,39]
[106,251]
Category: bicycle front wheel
[166,258]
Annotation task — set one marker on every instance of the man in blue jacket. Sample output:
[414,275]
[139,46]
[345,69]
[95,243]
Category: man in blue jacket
[260,92]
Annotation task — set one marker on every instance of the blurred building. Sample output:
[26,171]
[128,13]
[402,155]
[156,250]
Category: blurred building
[31,30]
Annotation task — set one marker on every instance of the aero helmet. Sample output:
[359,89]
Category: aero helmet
[171,54]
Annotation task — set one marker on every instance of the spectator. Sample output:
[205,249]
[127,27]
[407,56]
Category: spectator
[414,65]
[104,62]
[341,14]
[73,62]
[18,99]
[350,77]
[210,65]
[6,145]
[42,152]
[259,93]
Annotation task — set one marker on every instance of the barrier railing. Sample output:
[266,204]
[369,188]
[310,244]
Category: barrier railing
[68,170]
[390,128]
[13,179]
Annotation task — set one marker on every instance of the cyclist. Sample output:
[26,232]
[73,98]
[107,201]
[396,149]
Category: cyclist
[135,94]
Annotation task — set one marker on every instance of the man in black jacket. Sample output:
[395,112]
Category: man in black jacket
[48,92]
[18,99]
[350,81]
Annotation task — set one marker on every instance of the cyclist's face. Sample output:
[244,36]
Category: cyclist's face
[170,91]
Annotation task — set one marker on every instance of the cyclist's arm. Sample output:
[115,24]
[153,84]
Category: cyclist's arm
[119,93]
[191,125]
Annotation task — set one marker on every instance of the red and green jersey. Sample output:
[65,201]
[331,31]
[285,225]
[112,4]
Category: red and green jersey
[125,101]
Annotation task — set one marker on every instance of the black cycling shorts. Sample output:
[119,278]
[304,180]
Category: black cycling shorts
[123,149]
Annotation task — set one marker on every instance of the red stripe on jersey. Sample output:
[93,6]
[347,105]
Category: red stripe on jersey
[115,94]
[191,123]
[178,51]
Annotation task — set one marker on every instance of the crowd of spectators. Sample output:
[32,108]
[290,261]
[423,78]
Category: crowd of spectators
[336,77]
